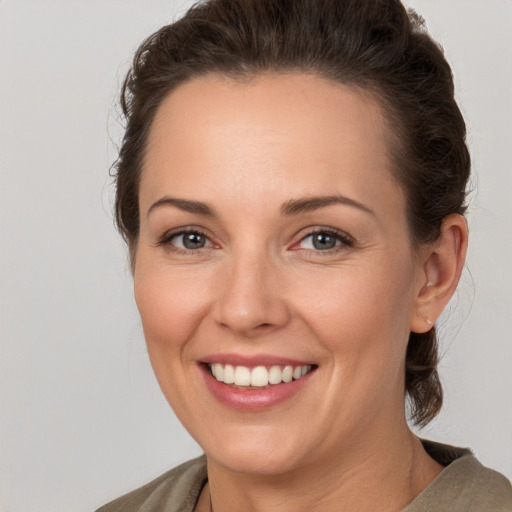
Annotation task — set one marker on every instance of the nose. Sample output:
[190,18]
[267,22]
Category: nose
[251,302]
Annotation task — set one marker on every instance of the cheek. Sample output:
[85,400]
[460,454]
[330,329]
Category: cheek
[170,305]
[360,314]
[358,318]
[354,298]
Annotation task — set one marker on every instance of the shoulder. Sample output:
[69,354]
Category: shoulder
[465,485]
[473,487]
[175,490]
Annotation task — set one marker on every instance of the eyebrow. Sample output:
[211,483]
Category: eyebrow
[185,205]
[308,204]
[291,207]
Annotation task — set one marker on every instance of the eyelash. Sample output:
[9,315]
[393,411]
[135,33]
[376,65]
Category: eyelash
[165,240]
[346,241]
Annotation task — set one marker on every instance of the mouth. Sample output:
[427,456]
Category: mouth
[255,383]
[258,377]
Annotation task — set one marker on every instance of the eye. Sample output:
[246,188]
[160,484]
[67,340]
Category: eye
[325,240]
[187,240]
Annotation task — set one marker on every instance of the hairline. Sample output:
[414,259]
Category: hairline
[369,92]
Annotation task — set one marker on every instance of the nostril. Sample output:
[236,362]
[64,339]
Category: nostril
[244,312]
[263,327]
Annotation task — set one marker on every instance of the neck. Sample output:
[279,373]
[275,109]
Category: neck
[391,470]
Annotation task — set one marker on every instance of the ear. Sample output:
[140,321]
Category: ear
[439,269]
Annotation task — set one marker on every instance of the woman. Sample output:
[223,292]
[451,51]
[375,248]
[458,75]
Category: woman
[291,187]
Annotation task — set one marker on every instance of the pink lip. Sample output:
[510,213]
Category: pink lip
[253,360]
[252,399]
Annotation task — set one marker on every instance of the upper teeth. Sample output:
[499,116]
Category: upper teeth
[259,376]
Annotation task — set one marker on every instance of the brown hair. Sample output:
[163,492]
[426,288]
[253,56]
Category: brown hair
[374,45]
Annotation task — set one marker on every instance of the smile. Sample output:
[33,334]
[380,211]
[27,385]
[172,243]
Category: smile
[255,383]
[259,376]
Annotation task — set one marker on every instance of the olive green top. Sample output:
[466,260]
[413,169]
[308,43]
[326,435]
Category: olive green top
[463,486]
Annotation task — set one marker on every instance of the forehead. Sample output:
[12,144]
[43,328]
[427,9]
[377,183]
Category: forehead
[297,133]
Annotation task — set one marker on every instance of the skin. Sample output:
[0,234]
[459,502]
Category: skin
[246,148]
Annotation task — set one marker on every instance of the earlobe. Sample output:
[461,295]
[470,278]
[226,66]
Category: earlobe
[441,267]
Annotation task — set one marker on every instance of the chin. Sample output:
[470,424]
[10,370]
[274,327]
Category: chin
[257,454]
[253,461]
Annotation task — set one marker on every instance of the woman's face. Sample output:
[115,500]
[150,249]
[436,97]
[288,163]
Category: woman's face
[273,235]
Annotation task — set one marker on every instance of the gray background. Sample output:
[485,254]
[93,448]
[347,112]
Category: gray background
[82,419]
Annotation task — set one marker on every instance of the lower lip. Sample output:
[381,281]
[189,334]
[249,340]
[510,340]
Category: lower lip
[252,399]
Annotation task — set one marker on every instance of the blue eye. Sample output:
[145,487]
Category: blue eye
[189,240]
[324,241]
